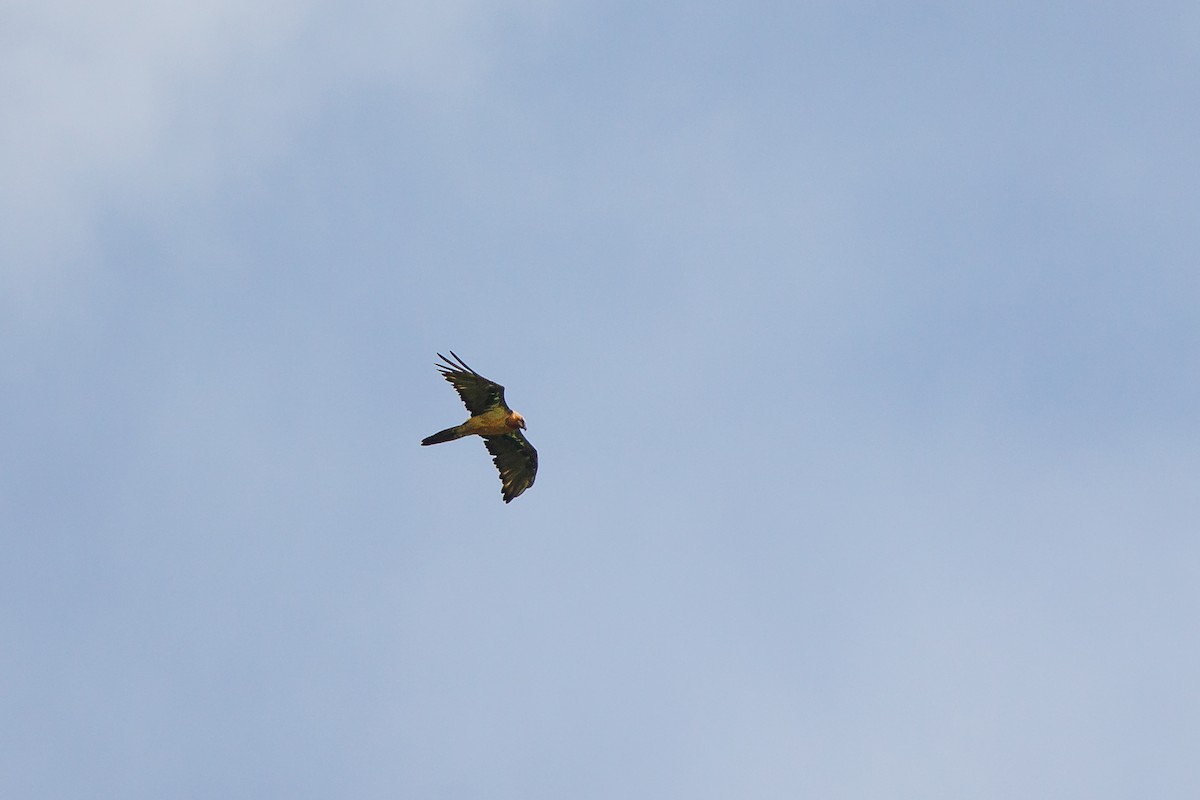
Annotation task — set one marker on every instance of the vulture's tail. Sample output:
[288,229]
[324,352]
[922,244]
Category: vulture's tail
[448,435]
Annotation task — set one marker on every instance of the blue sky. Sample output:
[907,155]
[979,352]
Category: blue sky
[858,341]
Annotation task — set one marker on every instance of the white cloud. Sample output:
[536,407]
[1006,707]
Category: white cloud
[112,105]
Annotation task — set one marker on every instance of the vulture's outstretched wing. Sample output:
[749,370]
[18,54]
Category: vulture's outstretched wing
[477,392]
[516,460]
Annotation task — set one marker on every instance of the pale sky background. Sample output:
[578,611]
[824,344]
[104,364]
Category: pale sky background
[858,340]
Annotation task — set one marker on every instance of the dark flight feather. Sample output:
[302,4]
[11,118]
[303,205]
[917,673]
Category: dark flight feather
[516,460]
[477,392]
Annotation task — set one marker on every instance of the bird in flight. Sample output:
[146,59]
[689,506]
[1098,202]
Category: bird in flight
[492,419]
